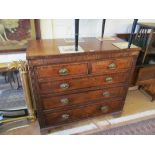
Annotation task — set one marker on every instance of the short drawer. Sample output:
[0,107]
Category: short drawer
[62,70]
[55,118]
[81,98]
[80,83]
[110,66]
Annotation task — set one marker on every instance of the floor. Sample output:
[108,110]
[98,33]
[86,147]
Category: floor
[137,107]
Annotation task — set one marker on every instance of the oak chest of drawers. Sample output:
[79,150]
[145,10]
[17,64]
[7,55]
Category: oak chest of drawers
[74,86]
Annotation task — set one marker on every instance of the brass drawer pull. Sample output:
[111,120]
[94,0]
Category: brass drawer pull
[112,66]
[64,85]
[104,109]
[106,94]
[65,116]
[63,71]
[108,79]
[64,101]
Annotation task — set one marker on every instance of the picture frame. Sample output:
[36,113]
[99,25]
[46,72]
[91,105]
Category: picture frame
[15,34]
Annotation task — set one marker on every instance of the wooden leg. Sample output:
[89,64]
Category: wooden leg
[153,98]
[139,87]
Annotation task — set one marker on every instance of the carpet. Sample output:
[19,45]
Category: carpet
[146,127]
[11,98]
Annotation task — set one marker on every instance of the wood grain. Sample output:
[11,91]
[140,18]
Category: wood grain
[50,102]
[95,79]
[55,118]
[80,83]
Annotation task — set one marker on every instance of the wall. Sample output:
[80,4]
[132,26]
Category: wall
[88,27]
[64,28]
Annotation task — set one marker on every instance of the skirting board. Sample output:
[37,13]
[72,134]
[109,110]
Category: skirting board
[106,123]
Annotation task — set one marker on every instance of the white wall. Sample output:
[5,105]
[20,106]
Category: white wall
[58,28]
[64,28]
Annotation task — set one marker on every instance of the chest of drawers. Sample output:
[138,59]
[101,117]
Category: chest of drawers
[75,86]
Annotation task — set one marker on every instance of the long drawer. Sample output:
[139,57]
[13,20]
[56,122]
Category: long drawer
[64,101]
[79,83]
[61,117]
[111,66]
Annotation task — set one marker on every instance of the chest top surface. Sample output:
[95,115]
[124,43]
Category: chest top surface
[49,47]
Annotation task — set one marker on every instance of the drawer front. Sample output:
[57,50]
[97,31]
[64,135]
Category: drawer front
[55,118]
[61,71]
[79,83]
[146,74]
[110,66]
[81,98]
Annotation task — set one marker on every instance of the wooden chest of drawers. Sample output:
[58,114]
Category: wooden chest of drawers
[75,86]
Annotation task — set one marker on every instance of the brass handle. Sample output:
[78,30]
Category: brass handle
[65,116]
[64,101]
[104,109]
[112,66]
[108,79]
[64,85]
[106,94]
[63,71]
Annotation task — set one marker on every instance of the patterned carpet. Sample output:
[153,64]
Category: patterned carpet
[11,98]
[146,127]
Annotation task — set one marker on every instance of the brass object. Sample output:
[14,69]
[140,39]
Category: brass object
[64,101]
[65,116]
[108,79]
[104,109]
[63,71]
[23,70]
[112,66]
[17,119]
[64,85]
[106,94]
